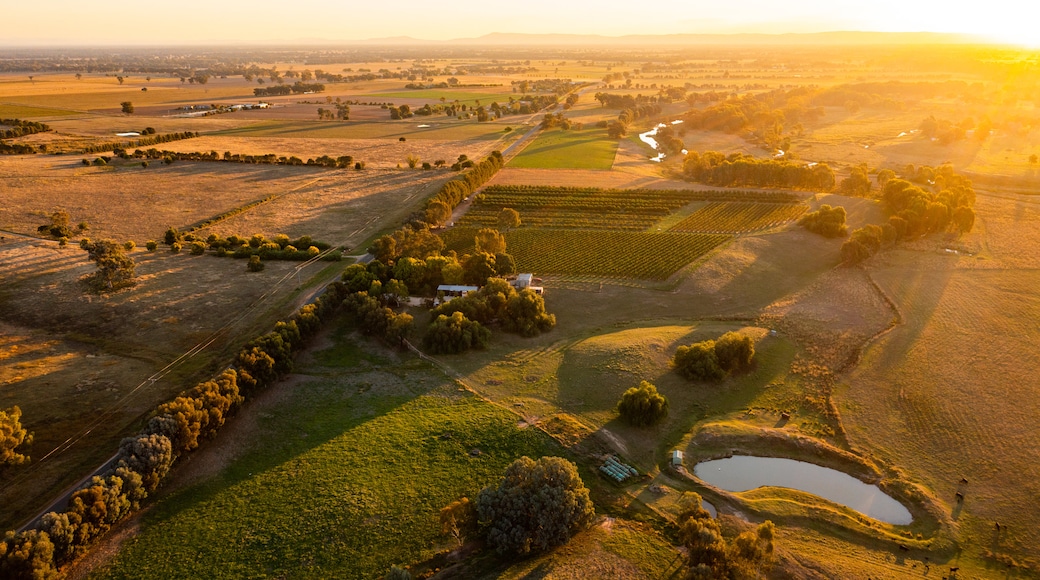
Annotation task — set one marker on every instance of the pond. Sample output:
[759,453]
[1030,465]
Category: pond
[742,472]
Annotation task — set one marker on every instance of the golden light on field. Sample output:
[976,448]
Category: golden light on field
[64,22]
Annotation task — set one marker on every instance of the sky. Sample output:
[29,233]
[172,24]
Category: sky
[74,22]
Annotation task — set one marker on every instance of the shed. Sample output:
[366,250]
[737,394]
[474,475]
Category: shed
[523,281]
[677,457]
[454,291]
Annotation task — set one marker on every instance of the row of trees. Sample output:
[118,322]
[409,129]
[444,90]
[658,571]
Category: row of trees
[143,142]
[14,128]
[713,360]
[739,169]
[175,428]
[296,88]
[521,312]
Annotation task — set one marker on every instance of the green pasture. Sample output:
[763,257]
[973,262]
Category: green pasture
[344,479]
[572,149]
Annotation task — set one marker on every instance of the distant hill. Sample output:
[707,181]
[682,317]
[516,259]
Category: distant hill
[815,38]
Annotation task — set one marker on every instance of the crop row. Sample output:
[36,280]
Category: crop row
[737,217]
[606,219]
[642,255]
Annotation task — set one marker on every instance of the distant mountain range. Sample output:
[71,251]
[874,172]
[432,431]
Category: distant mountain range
[814,38]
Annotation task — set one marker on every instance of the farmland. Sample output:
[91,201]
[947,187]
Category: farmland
[613,254]
[912,369]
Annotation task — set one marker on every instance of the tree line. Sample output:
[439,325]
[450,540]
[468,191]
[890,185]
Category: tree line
[713,360]
[174,429]
[153,140]
[341,162]
[740,169]
[19,128]
[296,88]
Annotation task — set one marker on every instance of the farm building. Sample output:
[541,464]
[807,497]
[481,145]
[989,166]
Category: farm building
[677,457]
[525,281]
[455,291]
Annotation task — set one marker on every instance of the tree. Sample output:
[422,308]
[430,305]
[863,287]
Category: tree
[171,236]
[28,555]
[454,334]
[128,107]
[413,161]
[115,269]
[489,240]
[476,269]
[459,519]
[508,218]
[537,506]
[642,405]
[747,556]
[734,351]
[964,219]
[525,314]
[12,436]
[437,212]
[254,264]
[698,361]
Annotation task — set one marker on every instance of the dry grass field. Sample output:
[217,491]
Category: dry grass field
[951,392]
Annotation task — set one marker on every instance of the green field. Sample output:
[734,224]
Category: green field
[343,480]
[571,149]
[439,130]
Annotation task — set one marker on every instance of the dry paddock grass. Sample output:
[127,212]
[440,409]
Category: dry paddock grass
[951,393]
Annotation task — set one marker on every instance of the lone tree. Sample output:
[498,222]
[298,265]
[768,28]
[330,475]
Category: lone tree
[490,241]
[508,218]
[642,405]
[115,269]
[128,107]
[12,436]
[537,506]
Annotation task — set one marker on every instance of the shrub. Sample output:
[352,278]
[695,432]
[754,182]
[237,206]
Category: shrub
[62,242]
[175,247]
[642,405]
[255,265]
[129,245]
[171,236]
[152,245]
[12,436]
[198,248]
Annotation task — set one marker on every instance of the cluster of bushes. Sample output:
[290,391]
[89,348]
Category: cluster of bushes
[618,128]
[551,120]
[59,226]
[153,140]
[867,241]
[642,405]
[12,436]
[174,429]
[17,148]
[296,88]
[712,360]
[710,555]
[739,169]
[827,221]
[19,128]
[280,247]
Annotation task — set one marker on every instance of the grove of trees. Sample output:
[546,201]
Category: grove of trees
[739,169]
[713,557]
[712,360]
[827,221]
